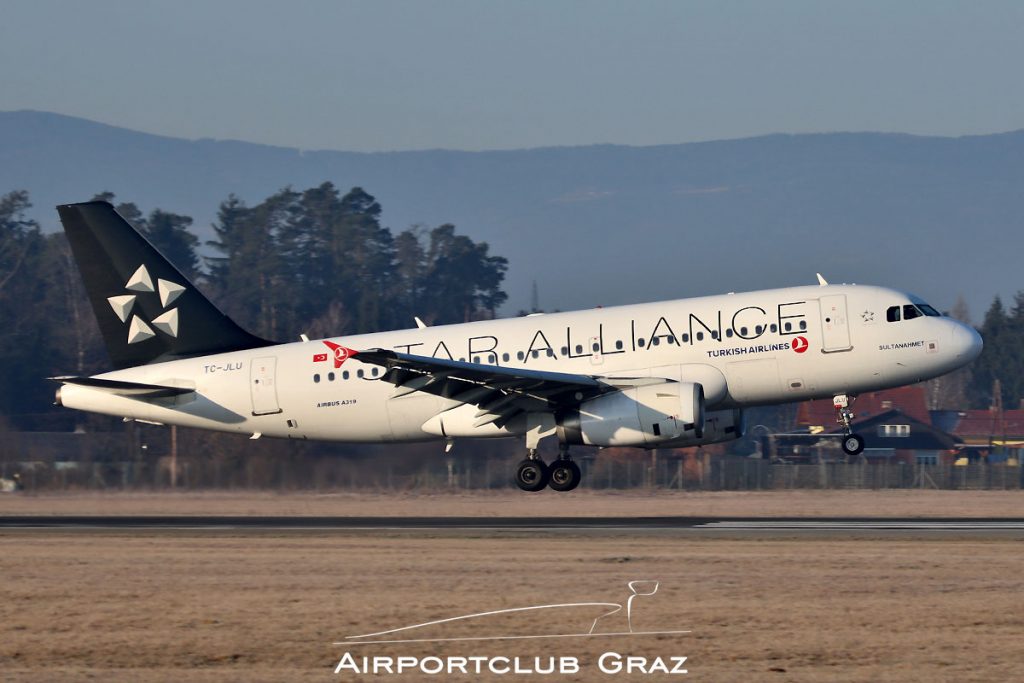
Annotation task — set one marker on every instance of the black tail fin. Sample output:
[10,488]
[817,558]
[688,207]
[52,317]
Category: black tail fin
[147,310]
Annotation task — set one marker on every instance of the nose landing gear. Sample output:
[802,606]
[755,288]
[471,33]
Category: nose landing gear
[853,444]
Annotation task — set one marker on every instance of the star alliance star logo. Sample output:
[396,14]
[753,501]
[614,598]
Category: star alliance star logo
[138,329]
[868,316]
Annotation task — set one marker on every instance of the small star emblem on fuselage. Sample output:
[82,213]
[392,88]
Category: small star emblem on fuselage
[868,316]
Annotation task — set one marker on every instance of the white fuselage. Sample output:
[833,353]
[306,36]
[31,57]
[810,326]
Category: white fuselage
[747,349]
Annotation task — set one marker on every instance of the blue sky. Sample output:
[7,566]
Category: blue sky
[495,75]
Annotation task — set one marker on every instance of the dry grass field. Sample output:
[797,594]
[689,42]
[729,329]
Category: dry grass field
[266,606]
[852,503]
[251,605]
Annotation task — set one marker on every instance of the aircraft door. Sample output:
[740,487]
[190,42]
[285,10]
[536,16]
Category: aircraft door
[263,385]
[835,329]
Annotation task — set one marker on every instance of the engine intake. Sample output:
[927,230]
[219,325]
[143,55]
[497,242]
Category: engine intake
[647,415]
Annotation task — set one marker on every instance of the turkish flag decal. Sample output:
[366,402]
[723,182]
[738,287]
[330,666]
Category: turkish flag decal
[319,357]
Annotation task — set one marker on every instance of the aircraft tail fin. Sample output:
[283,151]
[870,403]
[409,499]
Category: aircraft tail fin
[148,312]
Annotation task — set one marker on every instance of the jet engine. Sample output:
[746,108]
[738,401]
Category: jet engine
[644,416]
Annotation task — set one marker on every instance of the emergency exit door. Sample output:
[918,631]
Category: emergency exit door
[263,384]
[835,329]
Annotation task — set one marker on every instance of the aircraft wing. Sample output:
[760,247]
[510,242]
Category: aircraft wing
[501,393]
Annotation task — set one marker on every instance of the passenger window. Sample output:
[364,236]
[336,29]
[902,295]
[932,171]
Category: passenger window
[892,314]
[344,375]
[565,350]
[743,332]
[789,327]
[374,371]
[618,345]
[316,378]
[728,333]
[910,312]
[774,328]
[359,374]
[476,359]
[520,355]
[686,337]
[656,341]
[640,342]
[700,336]
[803,324]
[714,334]
[550,353]
[504,357]
[330,376]
[535,353]
[579,348]
[596,347]
[757,330]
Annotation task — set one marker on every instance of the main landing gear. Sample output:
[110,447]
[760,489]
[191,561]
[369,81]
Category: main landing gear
[561,475]
[853,444]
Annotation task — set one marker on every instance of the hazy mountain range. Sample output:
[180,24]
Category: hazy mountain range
[608,224]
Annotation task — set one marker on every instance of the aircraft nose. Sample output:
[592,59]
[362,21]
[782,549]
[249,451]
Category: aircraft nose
[967,342]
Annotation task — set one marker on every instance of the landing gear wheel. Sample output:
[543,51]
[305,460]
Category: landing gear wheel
[531,474]
[853,444]
[565,475]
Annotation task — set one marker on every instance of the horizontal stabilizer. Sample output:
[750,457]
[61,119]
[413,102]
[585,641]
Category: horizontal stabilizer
[126,389]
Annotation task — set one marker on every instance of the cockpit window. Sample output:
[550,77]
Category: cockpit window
[910,312]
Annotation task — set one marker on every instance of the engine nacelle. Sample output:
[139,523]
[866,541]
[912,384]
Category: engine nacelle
[719,426]
[645,416]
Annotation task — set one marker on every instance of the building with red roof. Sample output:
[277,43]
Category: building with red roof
[993,434]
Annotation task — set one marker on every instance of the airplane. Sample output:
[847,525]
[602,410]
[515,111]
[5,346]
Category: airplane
[665,374]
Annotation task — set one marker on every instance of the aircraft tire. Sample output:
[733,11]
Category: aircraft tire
[532,475]
[564,475]
[853,444]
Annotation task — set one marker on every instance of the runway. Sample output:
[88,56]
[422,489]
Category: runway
[752,525]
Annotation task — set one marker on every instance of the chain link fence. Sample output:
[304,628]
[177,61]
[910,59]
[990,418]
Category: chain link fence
[119,461]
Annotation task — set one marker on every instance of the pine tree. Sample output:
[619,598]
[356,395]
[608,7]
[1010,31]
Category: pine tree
[29,332]
[993,362]
[169,233]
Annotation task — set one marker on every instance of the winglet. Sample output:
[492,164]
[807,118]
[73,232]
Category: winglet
[821,281]
[419,323]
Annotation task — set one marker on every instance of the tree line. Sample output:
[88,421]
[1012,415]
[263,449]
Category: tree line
[322,263]
[314,262]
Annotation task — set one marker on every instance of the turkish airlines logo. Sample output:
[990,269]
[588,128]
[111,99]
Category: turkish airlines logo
[340,353]
[800,344]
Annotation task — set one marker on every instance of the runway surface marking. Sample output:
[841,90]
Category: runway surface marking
[70,523]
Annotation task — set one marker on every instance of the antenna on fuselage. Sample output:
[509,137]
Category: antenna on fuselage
[821,281]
